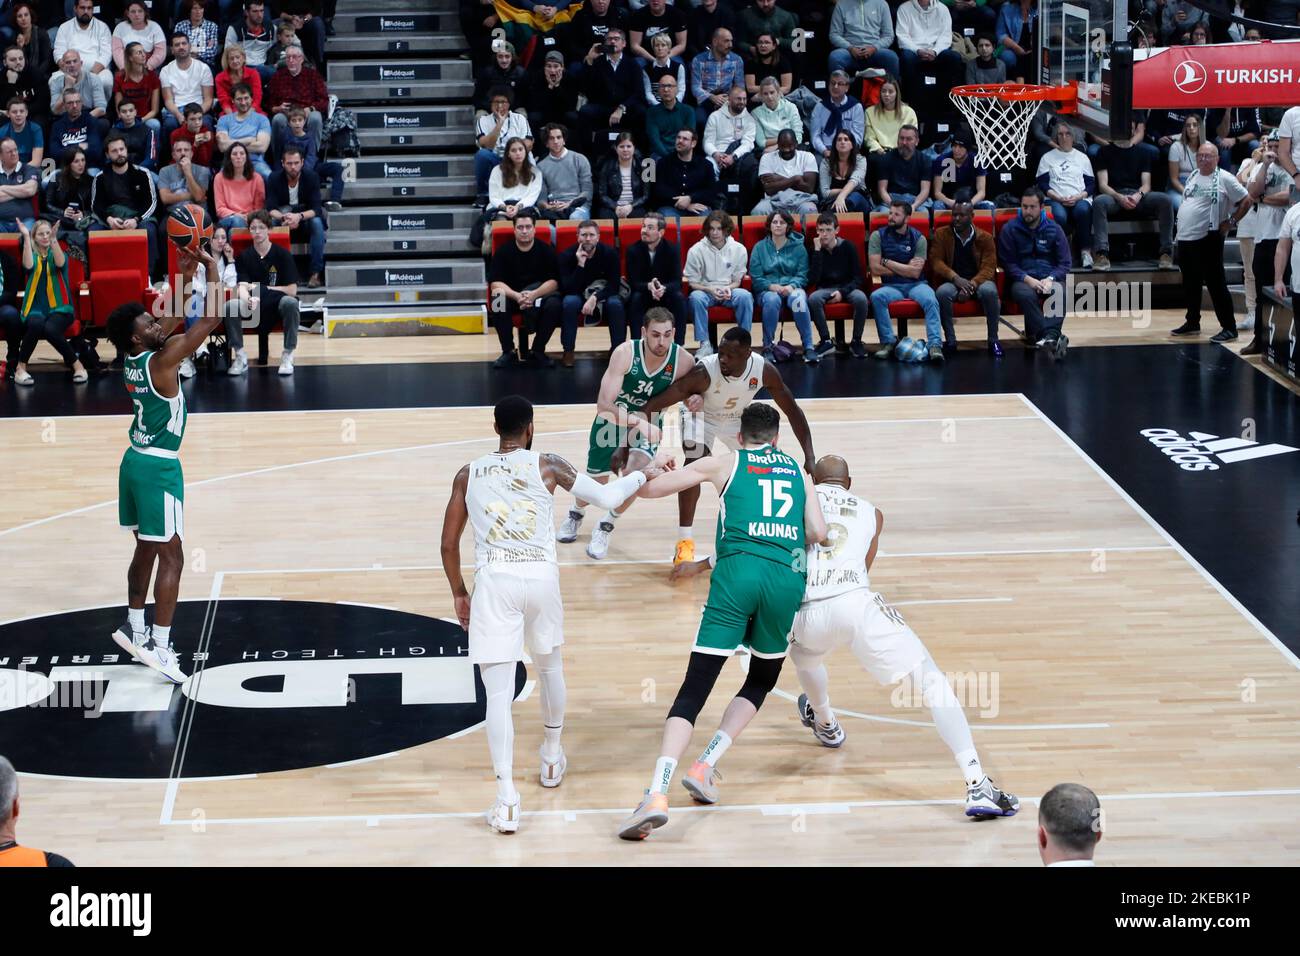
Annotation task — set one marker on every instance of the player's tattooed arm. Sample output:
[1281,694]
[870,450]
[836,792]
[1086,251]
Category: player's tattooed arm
[695,382]
[453,523]
[775,386]
[875,540]
[557,471]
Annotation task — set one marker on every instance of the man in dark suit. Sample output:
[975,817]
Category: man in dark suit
[654,276]
[615,96]
[306,217]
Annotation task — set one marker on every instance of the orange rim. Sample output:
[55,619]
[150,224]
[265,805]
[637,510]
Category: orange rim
[1067,95]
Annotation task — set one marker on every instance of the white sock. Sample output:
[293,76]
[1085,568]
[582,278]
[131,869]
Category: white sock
[162,635]
[716,748]
[813,680]
[663,775]
[550,680]
[686,534]
[499,682]
[949,718]
[135,616]
[610,516]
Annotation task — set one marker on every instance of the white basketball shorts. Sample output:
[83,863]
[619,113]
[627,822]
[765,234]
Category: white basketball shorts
[860,619]
[702,431]
[510,612]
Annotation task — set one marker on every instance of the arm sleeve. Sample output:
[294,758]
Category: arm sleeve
[610,495]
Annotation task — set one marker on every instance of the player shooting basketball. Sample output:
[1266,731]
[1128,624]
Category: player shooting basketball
[151,486]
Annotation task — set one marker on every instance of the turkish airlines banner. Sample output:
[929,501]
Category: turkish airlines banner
[1219,75]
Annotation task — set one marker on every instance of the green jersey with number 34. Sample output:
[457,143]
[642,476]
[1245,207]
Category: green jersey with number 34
[761,509]
[159,422]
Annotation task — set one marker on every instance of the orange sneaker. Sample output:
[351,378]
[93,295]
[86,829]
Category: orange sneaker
[650,815]
[685,551]
[701,782]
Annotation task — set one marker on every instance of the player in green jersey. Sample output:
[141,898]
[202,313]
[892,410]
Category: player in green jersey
[768,513]
[150,485]
[638,370]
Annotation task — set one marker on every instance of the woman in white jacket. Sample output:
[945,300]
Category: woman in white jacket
[515,184]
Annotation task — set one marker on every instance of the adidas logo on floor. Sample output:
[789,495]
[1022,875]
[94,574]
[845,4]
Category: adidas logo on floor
[1203,452]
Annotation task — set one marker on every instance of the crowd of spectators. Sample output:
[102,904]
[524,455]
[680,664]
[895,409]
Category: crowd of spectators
[755,107]
[114,118]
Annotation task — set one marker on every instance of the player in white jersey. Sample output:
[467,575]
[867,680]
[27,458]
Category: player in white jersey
[839,609]
[728,382]
[507,498]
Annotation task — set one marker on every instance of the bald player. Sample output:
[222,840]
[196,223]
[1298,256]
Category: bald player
[839,608]
[728,382]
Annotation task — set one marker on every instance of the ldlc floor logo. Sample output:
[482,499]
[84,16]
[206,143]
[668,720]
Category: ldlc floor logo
[1205,452]
[283,685]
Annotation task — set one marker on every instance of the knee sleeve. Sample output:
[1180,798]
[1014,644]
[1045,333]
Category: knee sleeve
[701,674]
[761,679]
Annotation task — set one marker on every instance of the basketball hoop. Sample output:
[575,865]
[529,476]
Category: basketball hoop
[1000,113]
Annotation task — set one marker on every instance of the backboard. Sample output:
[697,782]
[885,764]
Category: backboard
[1074,37]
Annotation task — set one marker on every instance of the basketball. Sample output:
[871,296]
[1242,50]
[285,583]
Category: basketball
[188,225]
[911,350]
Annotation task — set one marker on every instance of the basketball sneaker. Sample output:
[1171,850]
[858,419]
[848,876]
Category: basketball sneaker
[503,817]
[701,782]
[599,545]
[187,367]
[985,800]
[162,658]
[832,736]
[131,641]
[704,351]
[568,532]
[553,771]
[286,363]
[238,363]
[650,815]
[685,551]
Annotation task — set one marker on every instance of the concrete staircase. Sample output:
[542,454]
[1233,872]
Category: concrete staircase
[400,243]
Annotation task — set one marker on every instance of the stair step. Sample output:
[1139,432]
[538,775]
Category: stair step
[378,141]
[404,242]
[372,190]
[394,23]
[409,119]
[457,219]
[400,91]
[402,44]
[380,295]
[388,73]
[375,168]
[402,273]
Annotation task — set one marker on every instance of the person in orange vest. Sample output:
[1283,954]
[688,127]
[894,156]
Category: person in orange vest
[11,854]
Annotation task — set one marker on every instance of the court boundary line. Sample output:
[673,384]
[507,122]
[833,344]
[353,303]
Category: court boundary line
[435,408]
[402,449]
[766,809]
[1160,530]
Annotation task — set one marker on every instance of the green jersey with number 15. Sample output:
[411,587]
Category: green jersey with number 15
[761,509]
[159,423]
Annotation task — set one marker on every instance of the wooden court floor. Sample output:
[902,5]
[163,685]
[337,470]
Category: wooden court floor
[1095,652]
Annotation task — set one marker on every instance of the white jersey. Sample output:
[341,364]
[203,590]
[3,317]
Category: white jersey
[511,511]
[841,564]
[727,398]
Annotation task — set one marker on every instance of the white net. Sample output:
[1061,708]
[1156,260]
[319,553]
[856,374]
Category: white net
[999,117]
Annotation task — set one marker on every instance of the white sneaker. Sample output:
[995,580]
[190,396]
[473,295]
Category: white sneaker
[1247,324]
[599,546]
[704,351]
[504,817]
[162,659]
[187,367]
[552,774]
[286,363]
[1086,256]
[202,351]
[568,532]
[130,640]
[238,364]
[23,377]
